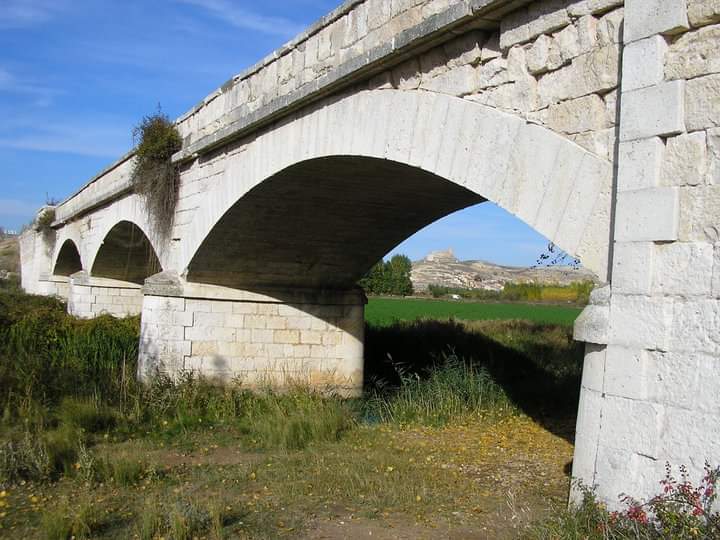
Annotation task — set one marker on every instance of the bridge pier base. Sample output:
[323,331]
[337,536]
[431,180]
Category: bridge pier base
[90,297]
[271,338]
[54,286]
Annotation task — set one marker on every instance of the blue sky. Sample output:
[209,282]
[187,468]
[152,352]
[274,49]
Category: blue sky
[77,75]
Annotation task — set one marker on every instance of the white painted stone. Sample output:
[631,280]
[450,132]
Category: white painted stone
[640,321]
[643,63]
[639,164]
[644,18]
[685,160]
[683,268]
[658,110]
[702,103]
[633,267]
[647,215]
[694,54]
[702,12]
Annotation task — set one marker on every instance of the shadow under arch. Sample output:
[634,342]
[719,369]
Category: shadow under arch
[68,260]
[126,254]
[322,223]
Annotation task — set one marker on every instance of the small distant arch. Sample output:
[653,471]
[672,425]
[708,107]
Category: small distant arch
[126,254]
[68,260]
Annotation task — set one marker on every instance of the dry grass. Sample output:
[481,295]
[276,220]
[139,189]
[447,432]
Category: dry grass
[10,255]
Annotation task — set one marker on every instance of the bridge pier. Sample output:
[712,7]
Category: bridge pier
[271,338]
[54,286]
[90,297]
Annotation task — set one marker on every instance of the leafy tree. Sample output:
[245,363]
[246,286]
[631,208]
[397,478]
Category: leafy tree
[389,277]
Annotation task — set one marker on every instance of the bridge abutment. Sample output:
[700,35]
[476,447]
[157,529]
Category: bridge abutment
[90,297]
[272,338]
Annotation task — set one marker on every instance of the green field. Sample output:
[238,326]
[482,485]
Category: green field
[384,311]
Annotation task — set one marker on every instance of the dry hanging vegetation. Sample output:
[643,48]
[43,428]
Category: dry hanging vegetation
[155,176]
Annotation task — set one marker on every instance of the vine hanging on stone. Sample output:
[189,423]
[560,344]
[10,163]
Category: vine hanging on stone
[155,177]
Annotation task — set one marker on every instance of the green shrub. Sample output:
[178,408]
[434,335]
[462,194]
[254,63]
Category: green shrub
[24,459]
[451,391]
[87,414]
[155,177]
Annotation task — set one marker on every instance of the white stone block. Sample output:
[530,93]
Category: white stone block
[685,161]
[626,372]
[610,27]
[644,63]
[587,437]
[673,378]
[694,54]
[696,326]
[209,319]
[647,215]
[700,208]
[592,7]
[702,12]
[592,325]
[526,23]
[182,318]
[683,269]
[716,272]
[584,114]
[641,435]
[644,18]
[632,267]
[593,373]
[544,55]
[639,163]
[648,112]
[640,321]
[702,103]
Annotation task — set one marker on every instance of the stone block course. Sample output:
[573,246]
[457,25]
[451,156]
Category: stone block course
[685,161]
[633,267]
[649,17]
[694,54]
[702,12]
[644,63]
[648,215]
[640,321]
[702,103]
[683,269]
[653,111]
[639,163]
[696,326]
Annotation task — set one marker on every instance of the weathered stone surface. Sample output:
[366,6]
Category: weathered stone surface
[593,72]
[699,207]
[491,48]
[610,27]
[685,160]
[716,272]
[577,115]
[702,103]
[696,326]
[713,142]
[601,143]
[592,325]
[694,54]
[593,372]
[641,321]
[639,163]
[519,96]
[528,23]
[648,215]
[592,7]
[643,63]
[633,267]
[658,110]
[648,17]
[544,55]
[683,268]
[702,12]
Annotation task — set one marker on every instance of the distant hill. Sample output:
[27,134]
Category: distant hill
[9,254]
[443,268]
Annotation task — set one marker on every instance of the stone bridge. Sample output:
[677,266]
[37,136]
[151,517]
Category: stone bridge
[593,121]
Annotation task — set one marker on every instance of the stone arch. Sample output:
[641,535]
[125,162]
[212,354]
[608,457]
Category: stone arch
[126,254]
[550,183]
[68,260]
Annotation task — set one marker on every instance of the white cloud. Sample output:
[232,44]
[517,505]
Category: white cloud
[248,20]
[41,96]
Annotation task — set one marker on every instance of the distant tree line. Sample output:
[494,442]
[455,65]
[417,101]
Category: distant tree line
[389,277]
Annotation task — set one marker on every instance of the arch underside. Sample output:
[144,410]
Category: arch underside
[323,223]
[315,200]
[126,254]
[68,260]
